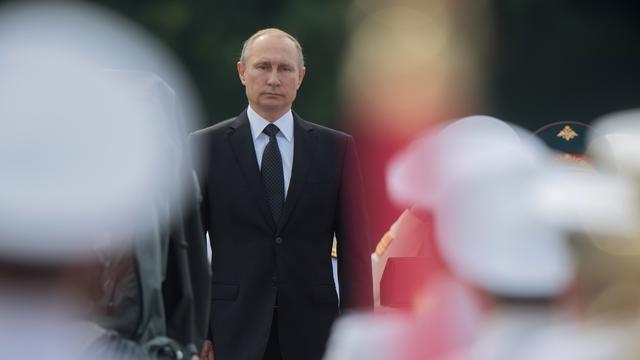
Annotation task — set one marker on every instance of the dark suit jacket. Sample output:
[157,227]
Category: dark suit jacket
[256,260]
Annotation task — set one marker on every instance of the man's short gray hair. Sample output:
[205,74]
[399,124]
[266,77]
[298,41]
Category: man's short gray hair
[249,42]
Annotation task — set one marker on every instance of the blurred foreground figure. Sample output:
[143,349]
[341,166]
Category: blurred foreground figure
[410,66]
[601,209]
[157,294]
[503,207]
[491,187]
[456,173]
[495,240]
[88,164]
[565,305]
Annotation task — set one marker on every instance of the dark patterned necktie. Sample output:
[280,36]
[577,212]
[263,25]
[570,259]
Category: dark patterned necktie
[272,174]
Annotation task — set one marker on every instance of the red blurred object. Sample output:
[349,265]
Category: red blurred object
[375,151]
[402,279]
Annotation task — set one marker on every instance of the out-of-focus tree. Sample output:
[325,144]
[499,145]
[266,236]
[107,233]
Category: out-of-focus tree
[564,60]
[207,36]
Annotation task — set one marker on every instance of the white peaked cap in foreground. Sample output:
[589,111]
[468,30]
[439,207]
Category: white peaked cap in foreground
[82,153]
[477,174]
[601,201]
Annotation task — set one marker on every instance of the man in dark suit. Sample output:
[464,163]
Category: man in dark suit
[276,189]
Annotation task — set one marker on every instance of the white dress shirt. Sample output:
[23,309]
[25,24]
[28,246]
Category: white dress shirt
[284,138]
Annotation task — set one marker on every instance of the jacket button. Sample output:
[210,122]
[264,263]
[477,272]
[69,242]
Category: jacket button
[278,240]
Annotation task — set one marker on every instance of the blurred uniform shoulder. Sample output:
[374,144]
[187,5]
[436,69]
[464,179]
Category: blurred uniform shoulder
[219,128]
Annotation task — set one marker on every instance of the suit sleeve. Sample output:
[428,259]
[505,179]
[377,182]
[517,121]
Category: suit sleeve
[352,234]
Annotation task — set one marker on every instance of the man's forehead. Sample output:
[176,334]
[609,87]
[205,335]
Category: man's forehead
[279,60]
[269,40]
[273,49]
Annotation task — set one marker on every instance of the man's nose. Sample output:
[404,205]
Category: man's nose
[273,79]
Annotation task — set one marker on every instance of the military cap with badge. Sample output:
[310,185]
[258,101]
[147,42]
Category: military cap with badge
[568,138]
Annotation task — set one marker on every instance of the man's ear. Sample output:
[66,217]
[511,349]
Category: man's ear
[301,76]
[241,70]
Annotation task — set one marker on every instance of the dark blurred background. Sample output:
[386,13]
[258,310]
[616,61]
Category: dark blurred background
[207,36]
[550,60]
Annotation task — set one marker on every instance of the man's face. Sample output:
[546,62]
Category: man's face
[271,75]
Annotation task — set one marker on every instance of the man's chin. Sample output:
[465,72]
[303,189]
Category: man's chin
[274,104]
[268,108]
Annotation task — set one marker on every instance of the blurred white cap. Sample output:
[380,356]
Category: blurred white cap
[481,174]
[617,141]
[602,201]
[83,155]
[587,202]
[366,337]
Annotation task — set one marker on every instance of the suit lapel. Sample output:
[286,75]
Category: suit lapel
[242,144]
[303,154]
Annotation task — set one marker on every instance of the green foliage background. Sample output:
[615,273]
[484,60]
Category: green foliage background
[208,35]
[552,60]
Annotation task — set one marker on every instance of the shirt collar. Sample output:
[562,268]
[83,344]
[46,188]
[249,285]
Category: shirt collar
[258,123]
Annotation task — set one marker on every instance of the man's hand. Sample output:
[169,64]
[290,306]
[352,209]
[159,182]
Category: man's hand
[207,351]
